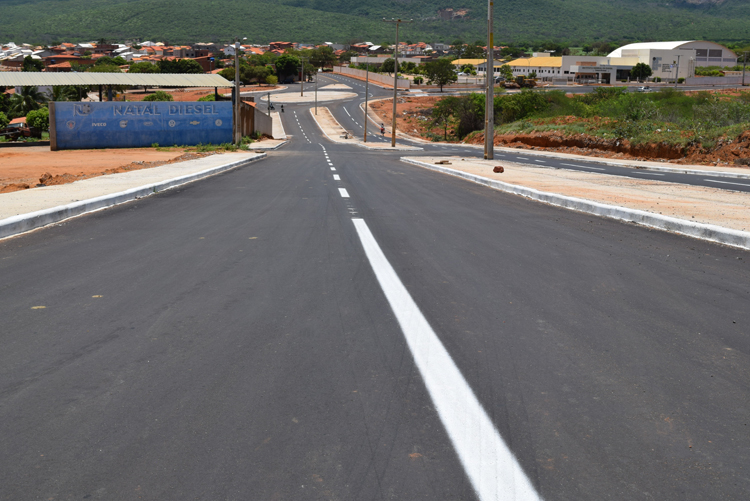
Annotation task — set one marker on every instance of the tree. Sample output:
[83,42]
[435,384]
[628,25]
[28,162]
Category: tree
[67,93]
[442,112]
[143,67]
[228,73]
[272,80]
[458,47]
[21,103]
[469,69]
[38,119]
[309,71]
[4,120]
[474,51]
[506,72]
[286,65]
[159,95]
[322,56]
[30,64]
[104,68]
[388,66]
[440,72]
[255,73]
[641,71]
[180,66]
[110,61]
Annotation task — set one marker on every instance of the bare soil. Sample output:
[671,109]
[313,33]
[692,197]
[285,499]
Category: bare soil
[23,168]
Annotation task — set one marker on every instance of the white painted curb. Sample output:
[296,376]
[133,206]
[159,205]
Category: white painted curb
[33,220]
[726,236]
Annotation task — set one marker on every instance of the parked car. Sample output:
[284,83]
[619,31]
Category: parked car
[644,89]
[462,74]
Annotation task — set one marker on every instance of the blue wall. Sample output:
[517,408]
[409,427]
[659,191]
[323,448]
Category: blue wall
[133,124]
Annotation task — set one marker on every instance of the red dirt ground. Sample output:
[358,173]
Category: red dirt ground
[22,168]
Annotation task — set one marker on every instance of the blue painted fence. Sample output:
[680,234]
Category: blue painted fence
[135,124]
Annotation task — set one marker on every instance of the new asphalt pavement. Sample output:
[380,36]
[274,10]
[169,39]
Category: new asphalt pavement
[331,323]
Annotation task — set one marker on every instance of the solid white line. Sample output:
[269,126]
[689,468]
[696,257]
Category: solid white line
[347,111]
[725,182]
[490,465]
[336,177]
[344,193]
[583,166]
[648,173]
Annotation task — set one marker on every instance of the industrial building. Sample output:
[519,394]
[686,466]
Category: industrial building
[668,61]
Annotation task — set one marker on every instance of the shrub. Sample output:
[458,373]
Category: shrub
[210,97]
[418,80]
[38,119]
[159,95]
[4,120]
[272,79]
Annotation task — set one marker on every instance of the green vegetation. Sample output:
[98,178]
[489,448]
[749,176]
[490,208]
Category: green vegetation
[210,97]
[262,21]
[30,64]
[4,120]
[641,71]
[667,116]
[159,95]
[180,66]
[440,72]
[21,103]
[38,118]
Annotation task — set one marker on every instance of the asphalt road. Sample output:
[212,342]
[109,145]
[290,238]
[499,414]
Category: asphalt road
[238,338]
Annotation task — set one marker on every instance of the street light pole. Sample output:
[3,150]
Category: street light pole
[395,78]
[744,61]
[237,130]
[367,89]
[489,78]
[316,92]
[677,73]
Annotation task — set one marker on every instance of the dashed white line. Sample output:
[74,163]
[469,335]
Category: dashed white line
[583,166]
[336,177]
[490,465]
[725,182]
[522,158]
[648,173]
[333,168]
[344,193]
[541,161]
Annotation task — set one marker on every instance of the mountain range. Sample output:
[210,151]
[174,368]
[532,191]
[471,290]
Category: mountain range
[345,21]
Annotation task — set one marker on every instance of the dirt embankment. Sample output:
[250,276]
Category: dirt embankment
[730,151]
[25,168]
[413,117]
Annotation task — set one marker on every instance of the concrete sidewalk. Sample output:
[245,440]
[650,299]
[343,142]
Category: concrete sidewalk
[29,209]
[708,213]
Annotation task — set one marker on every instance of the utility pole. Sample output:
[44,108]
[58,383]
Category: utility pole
[395,78]
[317,75]
[677,74]
[744,61]
[237,128]
[367,89]
[489,78]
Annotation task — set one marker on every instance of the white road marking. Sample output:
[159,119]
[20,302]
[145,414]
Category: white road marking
[344,193]
[333,168]
[490,465]
[725,182]
[541,161]
[583,166]
[648,173]
[522,158]
[336,177]
[347,111]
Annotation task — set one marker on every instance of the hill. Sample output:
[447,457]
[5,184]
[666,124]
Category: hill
[518,21]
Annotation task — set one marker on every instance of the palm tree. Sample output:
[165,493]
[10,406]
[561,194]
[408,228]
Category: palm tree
[66,93]
[25,101]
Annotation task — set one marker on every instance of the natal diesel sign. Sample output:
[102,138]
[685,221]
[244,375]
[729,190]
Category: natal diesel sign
[128,125]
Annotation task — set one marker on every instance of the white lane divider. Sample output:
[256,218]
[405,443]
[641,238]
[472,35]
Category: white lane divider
[583,166]
[648,173]
[490,465]
[336,177]
[344,193]
[725,182]
[333,168]
[347,112]
[522,158]
[541,161]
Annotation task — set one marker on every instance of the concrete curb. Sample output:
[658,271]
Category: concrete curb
[251,147]
[361,145]
[26,222]
[713,233]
